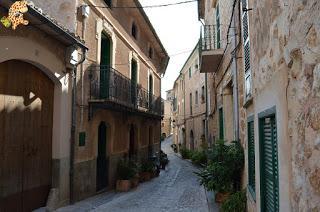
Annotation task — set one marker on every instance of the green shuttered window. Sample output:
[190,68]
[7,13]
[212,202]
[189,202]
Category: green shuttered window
[269,163]
[251,160]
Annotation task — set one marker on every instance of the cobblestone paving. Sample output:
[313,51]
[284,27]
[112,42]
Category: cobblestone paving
[177,189]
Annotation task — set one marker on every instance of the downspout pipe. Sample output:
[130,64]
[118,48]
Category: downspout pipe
[73,122]
[235,78]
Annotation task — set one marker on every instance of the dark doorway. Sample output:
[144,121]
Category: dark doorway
[102,162]
[150,149]
[26,120]
[134,81]
[105,65]
[132,142]
[191,140]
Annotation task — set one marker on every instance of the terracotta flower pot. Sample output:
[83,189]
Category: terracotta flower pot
[145,176]
[135,182]
[123,185]
[221,197]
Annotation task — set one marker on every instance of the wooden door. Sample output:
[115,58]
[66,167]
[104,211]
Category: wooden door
[26,107]
[102,162]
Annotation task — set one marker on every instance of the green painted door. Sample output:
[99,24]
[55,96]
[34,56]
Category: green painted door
[221,127]
[134,77]
[269,164]
[105,64]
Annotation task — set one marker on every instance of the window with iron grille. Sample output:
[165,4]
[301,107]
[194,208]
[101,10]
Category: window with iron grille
[246,47]
[251,159]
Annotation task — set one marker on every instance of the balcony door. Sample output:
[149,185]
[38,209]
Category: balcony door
[105,63]
[134,80]
[150,91]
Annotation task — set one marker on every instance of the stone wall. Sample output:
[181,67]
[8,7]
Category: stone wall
[286,45]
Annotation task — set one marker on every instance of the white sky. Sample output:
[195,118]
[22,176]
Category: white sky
[179,31]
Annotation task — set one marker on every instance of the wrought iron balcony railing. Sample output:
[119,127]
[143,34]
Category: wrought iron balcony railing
[210,38]
[109,85]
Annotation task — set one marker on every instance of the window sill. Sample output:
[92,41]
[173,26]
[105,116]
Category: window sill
[248,102]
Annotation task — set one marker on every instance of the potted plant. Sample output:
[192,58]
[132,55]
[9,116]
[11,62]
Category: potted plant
[146,170]
[135,179]
[223,171]
[125,173]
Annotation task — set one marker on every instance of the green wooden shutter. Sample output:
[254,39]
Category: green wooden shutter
[251,159]
[218,27]
[269,164]
[246,46]
[221,127]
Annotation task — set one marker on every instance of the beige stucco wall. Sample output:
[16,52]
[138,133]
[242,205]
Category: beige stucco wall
[35,47]
[167,118]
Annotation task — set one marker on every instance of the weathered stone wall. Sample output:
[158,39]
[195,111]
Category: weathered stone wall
[286,46]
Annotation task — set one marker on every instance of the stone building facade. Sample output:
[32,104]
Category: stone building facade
[192,97]
[35,111]
[119,93]
[276,55]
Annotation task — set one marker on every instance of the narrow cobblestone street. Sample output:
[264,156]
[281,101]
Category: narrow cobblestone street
[177,189]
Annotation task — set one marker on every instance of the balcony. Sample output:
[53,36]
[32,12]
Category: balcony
[109,89]
[210,49]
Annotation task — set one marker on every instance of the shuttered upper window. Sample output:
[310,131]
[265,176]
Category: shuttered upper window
[246,47]
[251,159]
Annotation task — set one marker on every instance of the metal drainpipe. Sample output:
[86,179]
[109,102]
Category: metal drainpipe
[235,83]
[73,122]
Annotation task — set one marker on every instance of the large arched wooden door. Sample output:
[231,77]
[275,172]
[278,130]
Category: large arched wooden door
[26,116]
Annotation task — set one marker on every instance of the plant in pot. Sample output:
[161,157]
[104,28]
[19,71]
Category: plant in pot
[146,170]
[125,173]
[163,159]
[135,168]
[223,171]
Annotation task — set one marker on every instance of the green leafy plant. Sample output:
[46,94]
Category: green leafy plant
[185,153]
[223,171]
[126,169]
[147,166]
[199,158]
[235,203]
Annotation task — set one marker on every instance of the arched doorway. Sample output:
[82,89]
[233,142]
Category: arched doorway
[191,140]
[105,64]
[102,160]
[132,135]
[134,81]
[26,121]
